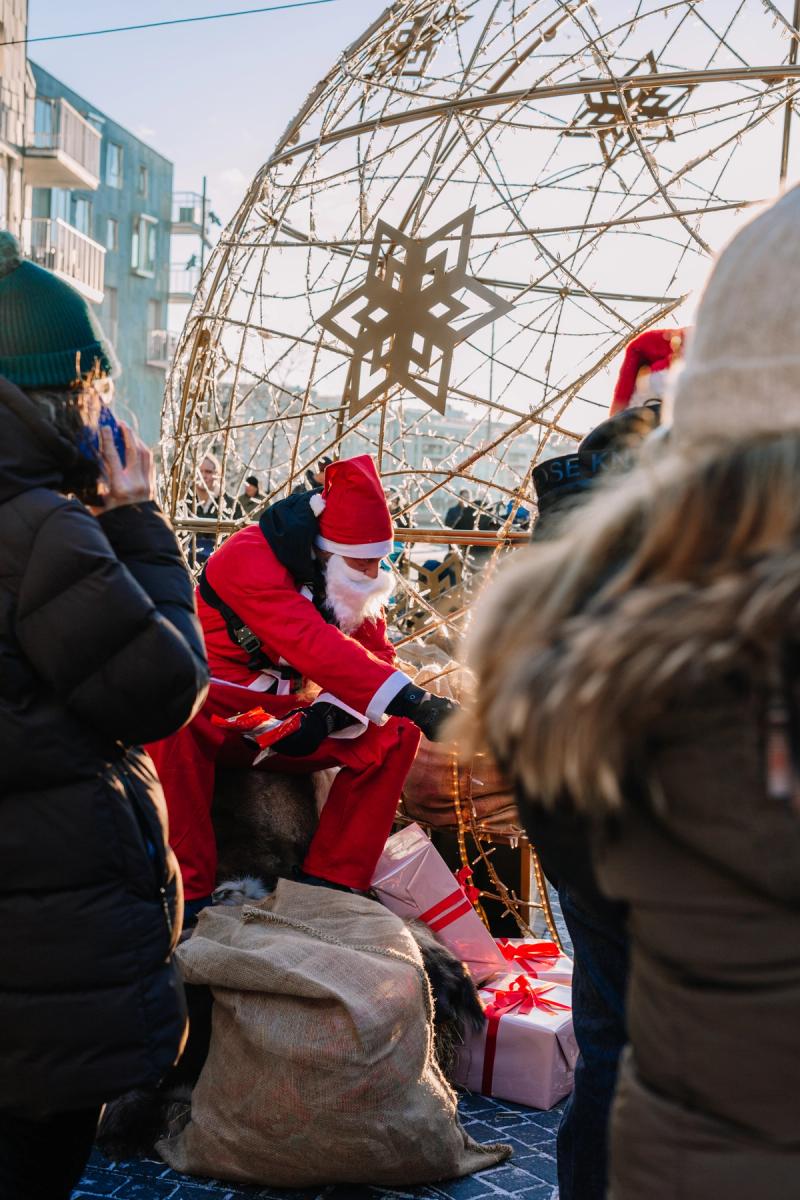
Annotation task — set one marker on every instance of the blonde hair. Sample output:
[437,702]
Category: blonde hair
[662,580]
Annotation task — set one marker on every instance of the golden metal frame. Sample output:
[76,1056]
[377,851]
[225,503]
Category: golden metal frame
[411,126]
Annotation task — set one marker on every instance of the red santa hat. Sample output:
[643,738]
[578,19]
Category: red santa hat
[653,350]
[353,514]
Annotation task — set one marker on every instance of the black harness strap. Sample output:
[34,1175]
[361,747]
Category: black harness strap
[241,634]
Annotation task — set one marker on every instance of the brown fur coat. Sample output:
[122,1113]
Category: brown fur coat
[609,674]
[667,687]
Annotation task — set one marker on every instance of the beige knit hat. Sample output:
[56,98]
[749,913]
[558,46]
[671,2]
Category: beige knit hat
[741,372]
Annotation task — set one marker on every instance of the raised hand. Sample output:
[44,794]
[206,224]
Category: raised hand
[135,482]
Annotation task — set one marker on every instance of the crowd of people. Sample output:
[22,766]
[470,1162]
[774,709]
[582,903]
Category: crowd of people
[635,678]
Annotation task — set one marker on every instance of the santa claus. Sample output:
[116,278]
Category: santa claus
[645,367]
[296,601]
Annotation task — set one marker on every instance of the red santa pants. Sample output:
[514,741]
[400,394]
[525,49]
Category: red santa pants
[358,814]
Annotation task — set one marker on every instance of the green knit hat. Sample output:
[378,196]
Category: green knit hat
[49,337]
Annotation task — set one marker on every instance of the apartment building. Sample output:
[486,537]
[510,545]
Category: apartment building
[93,203]
[109,231]
[16,92]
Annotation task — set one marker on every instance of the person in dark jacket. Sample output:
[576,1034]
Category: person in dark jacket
[596,925]
[209,501]
[100,650]
[665,701]
[251,497]
[462,514]
[314,478]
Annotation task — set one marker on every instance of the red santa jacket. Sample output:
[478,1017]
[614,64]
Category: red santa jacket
[357,670]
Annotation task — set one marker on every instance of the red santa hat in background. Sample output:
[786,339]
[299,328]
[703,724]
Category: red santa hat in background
[354,518]
[643,374]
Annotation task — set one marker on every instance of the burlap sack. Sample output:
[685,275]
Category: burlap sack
[321,1068]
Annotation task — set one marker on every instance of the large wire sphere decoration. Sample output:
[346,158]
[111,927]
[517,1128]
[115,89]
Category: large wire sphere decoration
[455,237]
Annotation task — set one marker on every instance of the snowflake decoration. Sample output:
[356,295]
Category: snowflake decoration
[408,52]
[407,311]
[603,115]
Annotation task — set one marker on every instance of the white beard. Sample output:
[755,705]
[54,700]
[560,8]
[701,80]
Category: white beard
[352,596]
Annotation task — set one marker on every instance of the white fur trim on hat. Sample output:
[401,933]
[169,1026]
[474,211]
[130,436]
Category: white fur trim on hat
[740,373]
[317,503]
[362,550]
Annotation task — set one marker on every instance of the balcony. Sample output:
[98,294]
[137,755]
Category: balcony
[187,213]
[68,253]
[183,283]
[161,347]
[64,148]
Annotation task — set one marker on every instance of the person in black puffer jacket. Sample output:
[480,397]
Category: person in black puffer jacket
[100,650]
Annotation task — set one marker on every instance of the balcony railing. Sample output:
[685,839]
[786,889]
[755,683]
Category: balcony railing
[64,148]
[187,212]
[161,347]
[183,283]
[68,252]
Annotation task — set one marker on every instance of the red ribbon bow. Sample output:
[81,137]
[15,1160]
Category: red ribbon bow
[523,996]
[470,891]
[530,954]
[455,905]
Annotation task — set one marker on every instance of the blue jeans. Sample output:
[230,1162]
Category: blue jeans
[600,945]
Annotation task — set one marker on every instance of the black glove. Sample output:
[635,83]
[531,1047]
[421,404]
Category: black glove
[317,722]
[425,710]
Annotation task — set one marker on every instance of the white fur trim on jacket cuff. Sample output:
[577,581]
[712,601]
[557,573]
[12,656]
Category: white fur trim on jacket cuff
[360,721]
[376,709]
[362,550]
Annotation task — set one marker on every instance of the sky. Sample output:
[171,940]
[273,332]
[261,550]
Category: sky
[213,97]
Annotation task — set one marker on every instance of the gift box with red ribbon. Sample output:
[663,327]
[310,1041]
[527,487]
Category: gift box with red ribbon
[527,1051]
[260,727]
[540,960]
[413,880]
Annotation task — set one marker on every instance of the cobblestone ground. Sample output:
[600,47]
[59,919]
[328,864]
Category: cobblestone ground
[529,1175]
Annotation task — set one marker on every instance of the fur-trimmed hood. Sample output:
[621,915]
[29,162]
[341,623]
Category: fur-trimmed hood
[615,669]
[683,573]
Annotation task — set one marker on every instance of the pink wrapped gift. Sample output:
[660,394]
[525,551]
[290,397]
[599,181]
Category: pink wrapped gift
[540,960]
[413,880]
[527,1051]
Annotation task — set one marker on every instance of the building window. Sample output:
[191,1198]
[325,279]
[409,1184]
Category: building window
[143,180]
[144,244]
[60,204]
[81,214]
[45,124]
[154,315]
[112,233]
[113,165]
[110,315]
